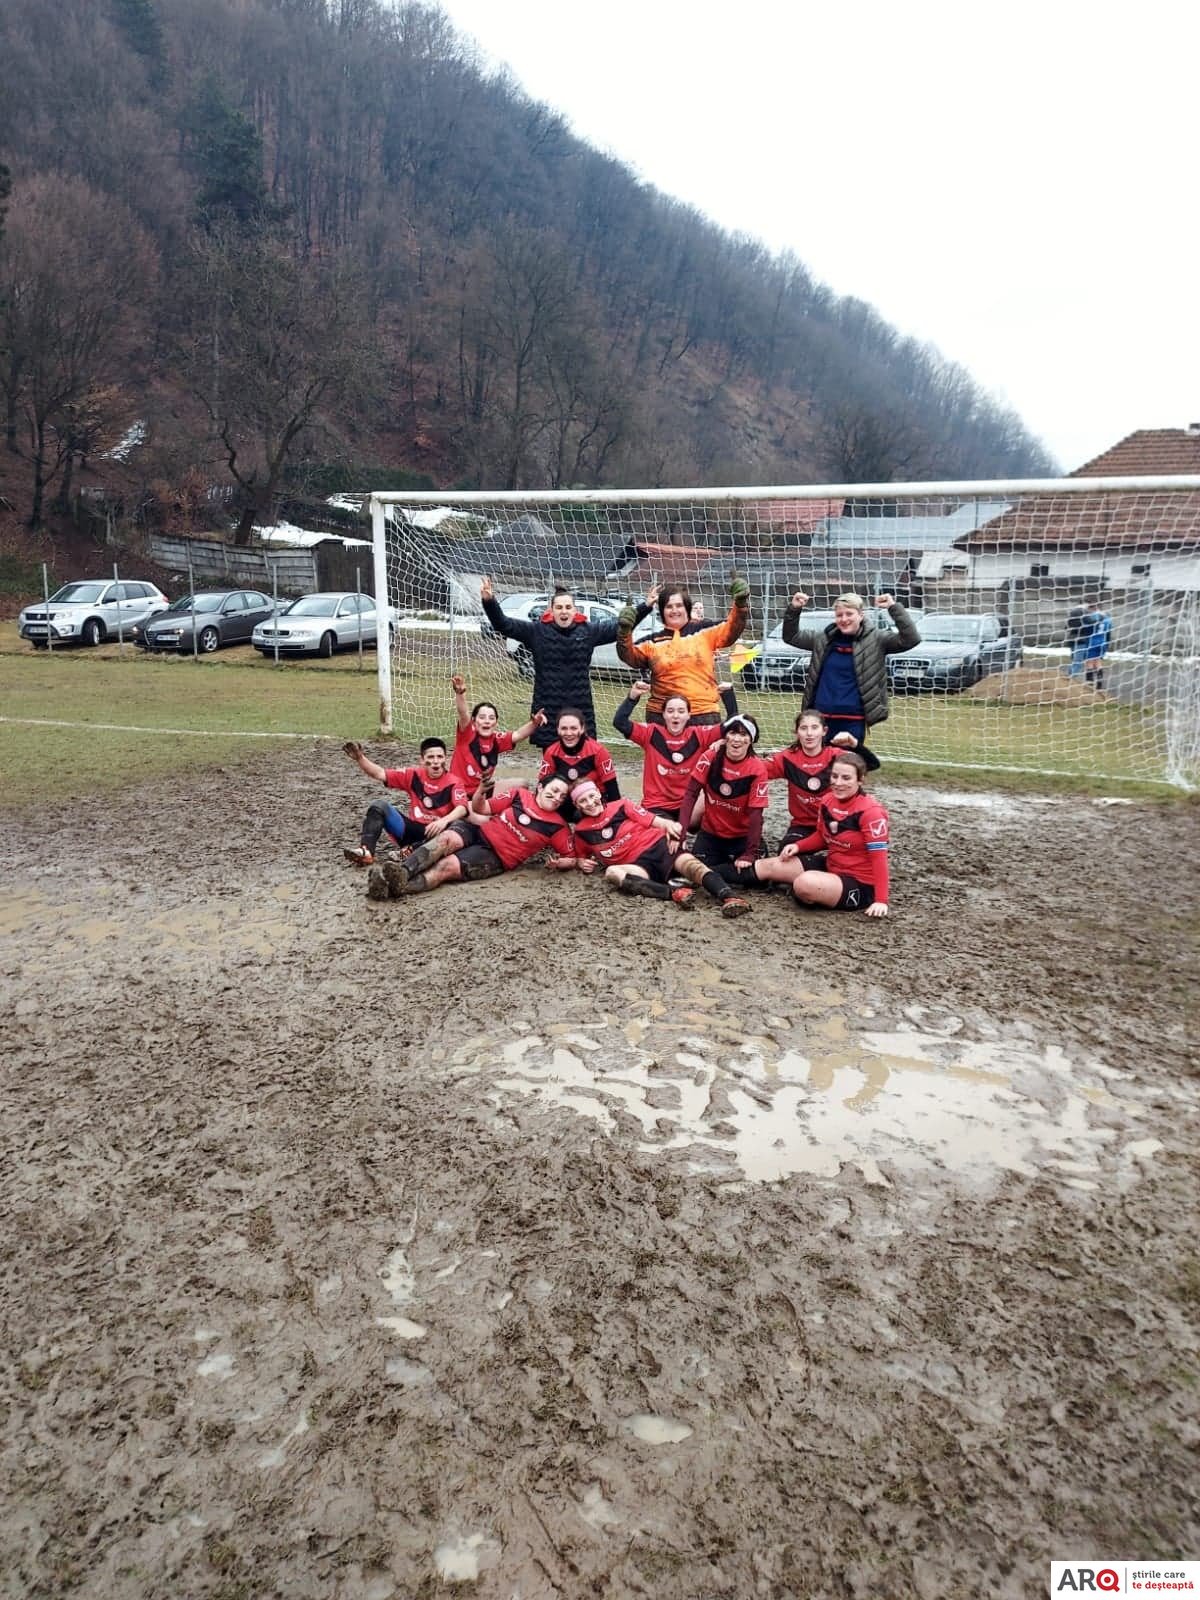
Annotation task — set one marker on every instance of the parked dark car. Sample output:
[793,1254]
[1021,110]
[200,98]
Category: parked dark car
[955,652]
[781,666]
[214,616]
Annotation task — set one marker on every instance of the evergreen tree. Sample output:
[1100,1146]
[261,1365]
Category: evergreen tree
[226,152]
[141,25]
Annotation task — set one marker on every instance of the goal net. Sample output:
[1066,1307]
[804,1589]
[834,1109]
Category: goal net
[1059,621]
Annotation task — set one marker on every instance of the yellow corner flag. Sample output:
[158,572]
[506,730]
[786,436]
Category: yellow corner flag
[741,654]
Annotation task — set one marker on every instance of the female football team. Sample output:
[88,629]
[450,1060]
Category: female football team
[698,773]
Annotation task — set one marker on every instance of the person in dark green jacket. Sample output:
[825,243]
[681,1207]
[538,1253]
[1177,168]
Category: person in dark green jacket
[847,679]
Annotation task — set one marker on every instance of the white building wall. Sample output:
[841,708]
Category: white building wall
[1175,571]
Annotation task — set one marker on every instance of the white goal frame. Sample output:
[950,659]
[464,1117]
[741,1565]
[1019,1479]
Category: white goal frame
[1178,706]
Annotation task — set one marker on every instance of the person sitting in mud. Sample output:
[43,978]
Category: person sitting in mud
[436,799]
[575,755]
[671,748]
[853,831]
[627,842]
[733,781]
[501,832]
[477,744]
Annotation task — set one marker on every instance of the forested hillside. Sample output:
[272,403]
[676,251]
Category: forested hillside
[300,239]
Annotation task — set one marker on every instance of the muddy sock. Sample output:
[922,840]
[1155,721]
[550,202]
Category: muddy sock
[743,877]
[417,885]
[374,823]
[716,886]
[645,888]
[421,860]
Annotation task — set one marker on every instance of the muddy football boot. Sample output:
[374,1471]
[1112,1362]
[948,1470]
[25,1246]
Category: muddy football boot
[685,899]
[735,906]
[395,875]
[377,884]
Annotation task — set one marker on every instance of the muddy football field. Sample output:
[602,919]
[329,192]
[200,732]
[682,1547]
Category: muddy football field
[524,1240]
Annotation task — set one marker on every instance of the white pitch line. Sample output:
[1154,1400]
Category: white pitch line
[199,733]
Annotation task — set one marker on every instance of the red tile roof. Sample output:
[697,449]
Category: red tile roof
[1132,521]
[1149,453]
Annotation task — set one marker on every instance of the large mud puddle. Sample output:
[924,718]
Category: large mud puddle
[894,1099]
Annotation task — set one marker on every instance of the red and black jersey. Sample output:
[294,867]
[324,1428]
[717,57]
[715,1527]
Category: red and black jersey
[431,797]
[620,834]
[670,760]
[519,829]
[475,757]
[588,759]
[855,836]
[732,790]
[807,779]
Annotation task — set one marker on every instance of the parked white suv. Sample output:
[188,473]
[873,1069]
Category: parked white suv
[91,611]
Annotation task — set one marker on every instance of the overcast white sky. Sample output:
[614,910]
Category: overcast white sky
[1016,184]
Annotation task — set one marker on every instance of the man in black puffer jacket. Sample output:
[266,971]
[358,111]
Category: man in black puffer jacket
[561,642]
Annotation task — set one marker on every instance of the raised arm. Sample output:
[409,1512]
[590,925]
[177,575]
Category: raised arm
[906,629]
[799,638]
[511,627]
[731,630]
[609,628]
[527,729]
[461,709]
[363,762]
[631,654]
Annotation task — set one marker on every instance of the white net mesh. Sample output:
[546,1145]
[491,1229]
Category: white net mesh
[1060,627]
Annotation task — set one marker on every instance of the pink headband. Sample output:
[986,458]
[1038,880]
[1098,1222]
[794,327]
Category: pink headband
[582,788]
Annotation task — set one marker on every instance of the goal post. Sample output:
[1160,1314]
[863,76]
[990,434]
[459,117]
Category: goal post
[1059,619]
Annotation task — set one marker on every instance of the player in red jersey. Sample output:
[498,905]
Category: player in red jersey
[501,832]
[733,781]
[671,748]
[626,842]
[852,828]
[477,744]
[575,755]
[804,767]
[436,799]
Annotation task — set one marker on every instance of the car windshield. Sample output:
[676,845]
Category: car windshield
[197,602]
[79,593]
[313,605]
[950,630]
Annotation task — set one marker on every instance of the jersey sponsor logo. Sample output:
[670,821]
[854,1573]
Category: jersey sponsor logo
[524,818]
[661,770]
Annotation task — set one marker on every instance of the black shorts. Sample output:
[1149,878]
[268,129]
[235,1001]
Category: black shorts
[714,851]
[670,812]
[856,896]
[656,862]
[478,861]
[810,860]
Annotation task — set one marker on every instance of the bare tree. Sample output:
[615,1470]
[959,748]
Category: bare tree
[77,270]
[269,347]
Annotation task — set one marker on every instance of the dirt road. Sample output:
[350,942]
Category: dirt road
[523,1240]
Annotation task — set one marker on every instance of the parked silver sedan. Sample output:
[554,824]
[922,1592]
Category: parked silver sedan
[319,624]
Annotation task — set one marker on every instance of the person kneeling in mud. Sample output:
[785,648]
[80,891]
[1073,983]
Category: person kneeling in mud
[436,799]
[500,833]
